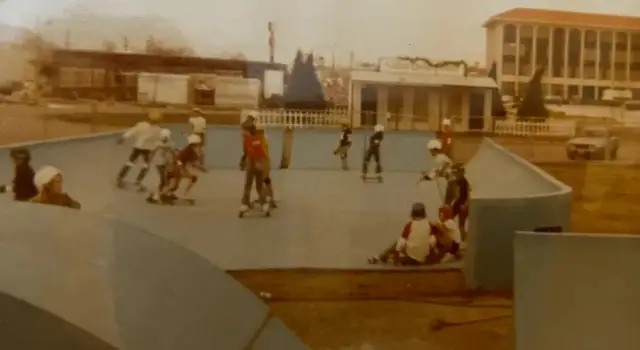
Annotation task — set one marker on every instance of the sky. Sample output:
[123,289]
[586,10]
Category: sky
[437,29]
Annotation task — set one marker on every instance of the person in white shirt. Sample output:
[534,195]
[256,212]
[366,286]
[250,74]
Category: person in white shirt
[198,125]
[416,243]
[146,137]
[164,157]
[447,235]
[443,169]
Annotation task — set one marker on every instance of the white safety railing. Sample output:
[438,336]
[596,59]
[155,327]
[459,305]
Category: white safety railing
[551,127]
[298,118]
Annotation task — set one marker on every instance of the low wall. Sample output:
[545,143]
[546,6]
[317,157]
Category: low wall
[577,291]
[508,194]
[81,281]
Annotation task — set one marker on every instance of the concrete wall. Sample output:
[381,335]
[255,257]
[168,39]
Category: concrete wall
[508,194]
[80,281]
[577,291]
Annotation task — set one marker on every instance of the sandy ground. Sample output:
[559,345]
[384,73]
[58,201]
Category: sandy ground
[407,311]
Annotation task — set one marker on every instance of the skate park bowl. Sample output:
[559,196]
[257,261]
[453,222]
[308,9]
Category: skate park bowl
[80,281]
[508,194]
[576,291]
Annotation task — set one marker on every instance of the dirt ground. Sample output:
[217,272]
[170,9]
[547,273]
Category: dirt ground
[408,310]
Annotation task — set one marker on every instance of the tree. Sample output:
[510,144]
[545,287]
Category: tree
[41,54]
[304,90]
[497,108]
[532,105]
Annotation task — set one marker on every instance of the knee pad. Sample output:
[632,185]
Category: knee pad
[267,181]
[194,179]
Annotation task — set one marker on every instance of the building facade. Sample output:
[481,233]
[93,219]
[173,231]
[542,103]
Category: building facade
[421,92]
[585,54]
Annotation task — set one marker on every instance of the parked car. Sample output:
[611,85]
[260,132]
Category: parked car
[593,143]
[9,87]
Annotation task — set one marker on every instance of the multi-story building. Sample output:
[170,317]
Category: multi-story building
[585,54]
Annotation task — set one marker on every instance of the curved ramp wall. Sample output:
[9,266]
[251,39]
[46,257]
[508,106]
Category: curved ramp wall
[508,194]
[577,291]
[79,281]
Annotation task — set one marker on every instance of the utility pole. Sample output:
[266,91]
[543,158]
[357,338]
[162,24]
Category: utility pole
[272,42]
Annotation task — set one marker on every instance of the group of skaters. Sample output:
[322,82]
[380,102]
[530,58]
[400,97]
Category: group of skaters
[422,241]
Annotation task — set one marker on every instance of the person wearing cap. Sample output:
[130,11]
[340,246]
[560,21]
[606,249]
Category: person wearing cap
[255,163]
[185,163]
[344,144]
[164,157]
[248,123]
[416,244]
[22,186]
[198,125]
[49,182]
[146,136]
[373,151]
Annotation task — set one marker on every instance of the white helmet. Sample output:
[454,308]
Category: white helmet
[44,176]
[378,128]
[193,139]
[165,133]
[446,122]
[434,145]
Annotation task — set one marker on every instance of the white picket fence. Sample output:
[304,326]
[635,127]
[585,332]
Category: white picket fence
[298,118]
[550,127]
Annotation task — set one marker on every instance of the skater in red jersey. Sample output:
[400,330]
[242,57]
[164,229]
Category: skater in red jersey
[255,165]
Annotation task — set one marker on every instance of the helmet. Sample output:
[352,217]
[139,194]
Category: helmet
[155,115]
[434,145]
[446,122]
[378,128]
[194,139]
[418,210]
[165,133]
[196,110]
[20,153]
[45,175]
[259,128]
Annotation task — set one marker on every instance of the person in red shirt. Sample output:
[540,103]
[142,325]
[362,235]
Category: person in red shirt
[254,166]
[186,161]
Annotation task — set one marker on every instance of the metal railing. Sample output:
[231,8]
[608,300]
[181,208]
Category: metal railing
[550,127]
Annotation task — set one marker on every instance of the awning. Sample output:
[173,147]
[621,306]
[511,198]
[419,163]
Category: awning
[421,79]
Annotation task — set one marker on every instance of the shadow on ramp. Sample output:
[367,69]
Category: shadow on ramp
[112,286]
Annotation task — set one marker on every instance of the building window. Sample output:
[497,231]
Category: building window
[588,94]
[620,56]
[635,57]
[526,51]
[557,90]
[557,56]
[542,46]
[573,92]
[508,89]
[606,48]
[509,49]
[575,50]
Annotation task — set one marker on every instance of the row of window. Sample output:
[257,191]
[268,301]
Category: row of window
[589,92]
[591,37]
[588,71]
[86,78]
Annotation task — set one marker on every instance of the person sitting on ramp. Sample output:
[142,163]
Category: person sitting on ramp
[49,182]
[443,169]
[186,163]
[344,144]
[447,235]
[416,244]
[22,186]
[373,151]
[255,162]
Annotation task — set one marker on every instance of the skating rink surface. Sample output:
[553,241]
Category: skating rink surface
[325,219]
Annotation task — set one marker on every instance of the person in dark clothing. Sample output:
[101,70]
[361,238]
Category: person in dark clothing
[343,146]
[23,187]
[373,151]
[246,125]
[460,204]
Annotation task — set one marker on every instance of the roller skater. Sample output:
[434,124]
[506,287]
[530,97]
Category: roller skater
[460,203]
[268,186]
[373,151]
[443,169]
[23,186]
[146,137]
[245,126]
[164,158]
[344,144]
[254,171]
[199,127]
[447,138]
[186,162]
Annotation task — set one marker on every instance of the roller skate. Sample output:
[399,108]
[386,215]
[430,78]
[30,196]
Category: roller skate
[243,210]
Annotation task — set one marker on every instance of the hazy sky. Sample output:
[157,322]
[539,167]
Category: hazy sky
[439,29]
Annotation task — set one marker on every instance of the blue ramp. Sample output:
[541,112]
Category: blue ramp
[406,151]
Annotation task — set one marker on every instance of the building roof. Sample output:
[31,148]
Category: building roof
[421,79]
[566,18]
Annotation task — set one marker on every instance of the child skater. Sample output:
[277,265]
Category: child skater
[198,125]
[443,169]
[164,156]
[185,163]
[460,202]
[268,186]
[146,137]
[343,145]
[447,235]
[254,169]
[447,137]
[245,126]
[23,186]
[373,151]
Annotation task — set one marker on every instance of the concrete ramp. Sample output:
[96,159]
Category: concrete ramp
[508,194]
[72,280]
[577,291]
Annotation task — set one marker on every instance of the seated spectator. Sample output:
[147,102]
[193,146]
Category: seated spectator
[447,235]
[416,244]
[22,185]
[48,180]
